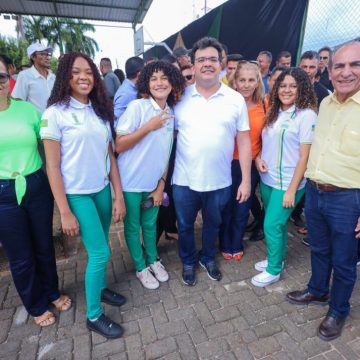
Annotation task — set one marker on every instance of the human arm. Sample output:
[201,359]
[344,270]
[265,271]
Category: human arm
[244,148]
[289,196]
[69,222]
[118,209]
[126,142]
[20,90]
[157,194]
[260,164]
[357,229]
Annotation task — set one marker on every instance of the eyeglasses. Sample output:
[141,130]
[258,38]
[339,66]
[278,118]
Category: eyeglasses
[188,77]
[324,57]
[212,59]
[4,77]
[44,53]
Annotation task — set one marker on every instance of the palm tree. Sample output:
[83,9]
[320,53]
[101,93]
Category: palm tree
[35,28]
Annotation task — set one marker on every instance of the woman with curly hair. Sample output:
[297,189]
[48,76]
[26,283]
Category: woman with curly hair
[247,81]
[26,208]
[80,162]
[286,141]
[144,141]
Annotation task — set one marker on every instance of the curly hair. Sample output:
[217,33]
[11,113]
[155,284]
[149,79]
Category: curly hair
[306,98]
[61,91]
[173,74]
[259,93]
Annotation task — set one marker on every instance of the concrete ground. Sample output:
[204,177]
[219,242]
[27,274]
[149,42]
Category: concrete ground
[229,319]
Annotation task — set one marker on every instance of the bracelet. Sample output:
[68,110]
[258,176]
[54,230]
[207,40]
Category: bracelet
[162,179]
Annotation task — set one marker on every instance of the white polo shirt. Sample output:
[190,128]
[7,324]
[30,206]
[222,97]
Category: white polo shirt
[206,137]
[281,145]
[34,88]
[142,166]
[84,141]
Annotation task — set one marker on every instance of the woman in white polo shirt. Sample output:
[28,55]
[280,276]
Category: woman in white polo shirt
[144,141]
[77,131]
[286,141]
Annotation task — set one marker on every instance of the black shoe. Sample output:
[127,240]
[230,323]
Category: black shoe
[298,221]
[330,328]
[303,297]
[212,270]
[112,298]
[257,235]
[105,327]
[305,241]
[188,275]
[252,226]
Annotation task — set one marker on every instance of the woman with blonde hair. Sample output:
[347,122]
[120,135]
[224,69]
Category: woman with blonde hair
[247,81]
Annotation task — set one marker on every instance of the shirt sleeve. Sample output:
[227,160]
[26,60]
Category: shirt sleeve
[242,123]
[37,116]
[21,87]
[307,126]
[130,120]
[49,125]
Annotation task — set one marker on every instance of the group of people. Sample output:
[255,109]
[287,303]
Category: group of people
[198,135]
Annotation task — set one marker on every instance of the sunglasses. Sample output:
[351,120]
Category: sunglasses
[188,77]
[324,57]
[4,77]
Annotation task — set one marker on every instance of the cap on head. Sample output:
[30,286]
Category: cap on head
[180,51]
[36,47]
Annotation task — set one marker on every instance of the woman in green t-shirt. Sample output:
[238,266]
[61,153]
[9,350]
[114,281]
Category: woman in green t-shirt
[26,207]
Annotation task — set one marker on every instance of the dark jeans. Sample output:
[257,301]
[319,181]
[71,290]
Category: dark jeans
[236,215]
[331,219]
[26,235]
[187,204]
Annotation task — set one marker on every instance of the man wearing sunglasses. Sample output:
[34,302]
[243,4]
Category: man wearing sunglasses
[187,72]
[324,56]
[35,84]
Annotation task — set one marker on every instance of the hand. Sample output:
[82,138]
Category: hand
[118,210]
[157,195]
[243,192]
[261,165]
[357,229]
[158,121]
[70,225]
[289,199]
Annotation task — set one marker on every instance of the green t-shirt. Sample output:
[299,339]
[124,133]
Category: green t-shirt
[19,131]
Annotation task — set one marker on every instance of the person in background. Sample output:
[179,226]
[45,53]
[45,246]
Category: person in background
[11,71]
[24,67]
[264,60]
[182,56]
[332,206]
[26,208]
[171,59]
[247,81]
[127,92]
[224,54]
[324,56]
[187,72]
[286,141]
[232,63]
[120,74]
[284,59]
[77,132]
[111,81]
[144,141]
[35,84]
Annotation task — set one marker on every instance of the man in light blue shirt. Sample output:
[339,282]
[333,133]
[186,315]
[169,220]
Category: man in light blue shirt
[127,92]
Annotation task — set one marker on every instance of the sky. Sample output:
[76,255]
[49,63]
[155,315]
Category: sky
[163,19]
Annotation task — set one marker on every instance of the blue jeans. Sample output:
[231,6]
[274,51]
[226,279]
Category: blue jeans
[331,218]
[236,215]
[26,235]
[187,204]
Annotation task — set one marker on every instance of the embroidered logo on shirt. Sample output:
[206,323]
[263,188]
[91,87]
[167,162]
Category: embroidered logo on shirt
[76,120]
[43,123]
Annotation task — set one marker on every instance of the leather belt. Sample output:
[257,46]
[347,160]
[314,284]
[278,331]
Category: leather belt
[325,187]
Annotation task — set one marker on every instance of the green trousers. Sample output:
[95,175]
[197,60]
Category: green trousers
[275,225]
[93,212]
[134,219]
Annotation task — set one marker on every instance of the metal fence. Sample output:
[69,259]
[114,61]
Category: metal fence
[331,22]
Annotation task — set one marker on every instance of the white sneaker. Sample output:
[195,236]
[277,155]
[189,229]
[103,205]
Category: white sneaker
[147,279]
[264,279]
[159,271]
[262,265]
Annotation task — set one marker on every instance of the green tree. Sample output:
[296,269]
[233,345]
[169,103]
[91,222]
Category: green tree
[14,49]
[36,28]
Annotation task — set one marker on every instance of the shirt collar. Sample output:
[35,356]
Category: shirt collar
[155,105]
[220,91]
[355,97]
[37,74]
[77,104]
[129,83]
[290,110]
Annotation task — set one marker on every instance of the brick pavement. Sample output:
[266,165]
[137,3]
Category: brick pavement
[213,320]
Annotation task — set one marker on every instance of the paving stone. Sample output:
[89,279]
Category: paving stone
[196,330]
[267,329]
[29,348]
[290,346]
[108,347]
[82,347]
[212,348]
[133,342]
[56,350]
[314,346]
[181,314]
[334,355]
[227,313]
[243,353]
[211,301]
[203,314]
[263,347]
[170,329]
[160,348]
[186,347]
[219,329]
[293,330]
[4,329]
[158,313]
[136,354]
[172,356]
[147,330]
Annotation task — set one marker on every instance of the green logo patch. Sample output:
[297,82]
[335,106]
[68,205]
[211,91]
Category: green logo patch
[43,123]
